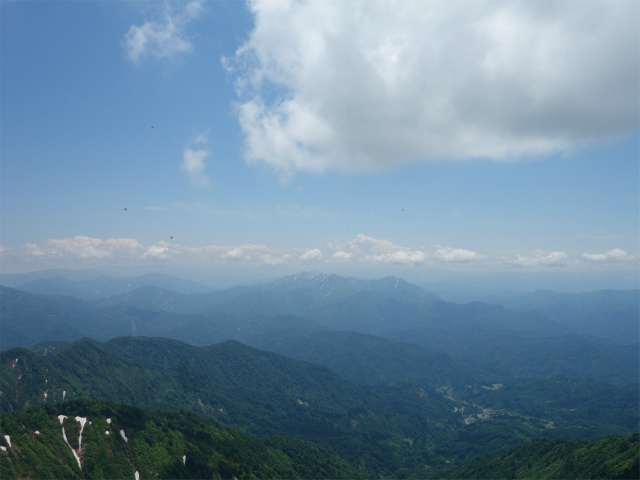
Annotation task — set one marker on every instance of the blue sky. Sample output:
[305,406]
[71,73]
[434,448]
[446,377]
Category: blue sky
[421,139]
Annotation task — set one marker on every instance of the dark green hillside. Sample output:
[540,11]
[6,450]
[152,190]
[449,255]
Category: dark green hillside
[30,319]
[557,407]
[377,429]
[519,354]
[370,360]
[256,331]
[160,445]
[367,312]
[583,400]
[373,313]
[612,457]
[607,314]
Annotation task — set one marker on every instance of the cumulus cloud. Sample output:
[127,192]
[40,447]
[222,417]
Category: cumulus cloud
[367,249]
[193,166]
[234,253]
[164,39]
[615,254]
[269,259]
[362,250]
[311,255]
[79,248]
[93,252]
[158,252]
[360,86]
[541,258]
[449,254]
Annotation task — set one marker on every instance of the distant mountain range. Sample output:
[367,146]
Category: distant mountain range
[511,343]
[388,376]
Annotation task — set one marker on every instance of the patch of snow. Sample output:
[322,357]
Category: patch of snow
[106,432]
[64,392]
[4,449]
[137,475]
[8,439]
[109,421]
[184,459]
[61,418]
[64,435]
[13,364]
[123,435]
[45,394]
[37,432]
[81,421]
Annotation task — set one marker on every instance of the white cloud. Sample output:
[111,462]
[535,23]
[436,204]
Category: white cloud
[80,248]
[234,253]
[359,86]
[449,254]
[360,251]
[311,255]
[342,256]
[193,166]
[160,251]
[372,250]
[269,259]
[93,252]
[615,254]
[165,39]
[542,258]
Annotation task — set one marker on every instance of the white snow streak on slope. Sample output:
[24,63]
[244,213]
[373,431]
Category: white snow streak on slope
[8,439]
[81,421]
[64,435]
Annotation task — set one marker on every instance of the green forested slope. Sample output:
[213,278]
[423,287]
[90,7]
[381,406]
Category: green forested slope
[158,445]
[378,429]
[370,360]
[611,457]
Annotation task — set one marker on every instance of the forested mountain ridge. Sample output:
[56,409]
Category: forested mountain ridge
[256,391]
[382,429]
[607,314]
[612,457]
[440,383]
[502,342]
[103,439]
